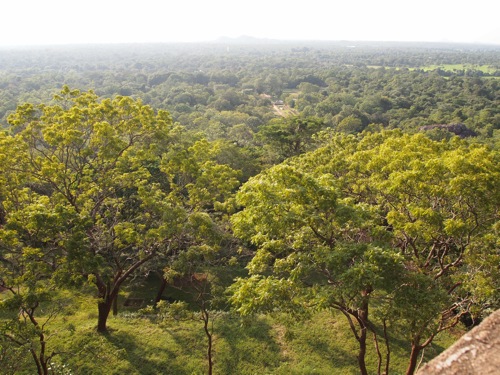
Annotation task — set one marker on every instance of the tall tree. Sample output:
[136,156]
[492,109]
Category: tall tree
[439,201]
[30,229]
[92,160]
[439,198]
[314,249]
[396,215]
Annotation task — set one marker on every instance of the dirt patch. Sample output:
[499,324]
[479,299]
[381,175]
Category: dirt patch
[284,110]
[280,335]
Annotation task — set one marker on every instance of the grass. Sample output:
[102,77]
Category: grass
[257,345]
[455,67]
[487,69]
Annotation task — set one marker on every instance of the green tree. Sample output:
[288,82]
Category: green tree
[203,182]
[314,250]
[91,161]
[396,216]
[350,125]
[30,228]
[289,136]
[438,198]
[439,202]
[202,179]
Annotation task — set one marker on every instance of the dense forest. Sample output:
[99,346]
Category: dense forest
[230,208]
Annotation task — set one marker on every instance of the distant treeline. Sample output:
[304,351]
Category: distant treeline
[387,84]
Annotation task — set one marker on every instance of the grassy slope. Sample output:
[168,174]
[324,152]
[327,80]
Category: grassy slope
[257,345]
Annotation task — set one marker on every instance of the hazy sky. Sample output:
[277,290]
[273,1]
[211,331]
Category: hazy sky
[124,21]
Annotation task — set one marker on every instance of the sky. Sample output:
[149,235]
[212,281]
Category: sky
[37,22]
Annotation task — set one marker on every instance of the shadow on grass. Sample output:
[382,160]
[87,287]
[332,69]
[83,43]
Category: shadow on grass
[131,351]
[334,354]
[320,348]
[245,346]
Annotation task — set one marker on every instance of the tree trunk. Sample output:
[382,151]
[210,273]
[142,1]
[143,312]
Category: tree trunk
[206,320]
[388,355]
[360,317]
[379,354]
[37,362]
[103,307]
[108,291]
[43,359]
[163,285]
[415,351]
[363,323]
[362,352]
[115,305]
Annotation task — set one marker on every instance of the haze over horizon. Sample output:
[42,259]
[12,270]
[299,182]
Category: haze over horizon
[30,22]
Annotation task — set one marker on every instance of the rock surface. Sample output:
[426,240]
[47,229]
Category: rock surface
[475,353]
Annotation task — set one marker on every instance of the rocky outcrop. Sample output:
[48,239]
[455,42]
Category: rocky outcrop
[458,129]
[475,353]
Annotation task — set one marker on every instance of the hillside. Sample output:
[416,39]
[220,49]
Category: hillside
[281,208]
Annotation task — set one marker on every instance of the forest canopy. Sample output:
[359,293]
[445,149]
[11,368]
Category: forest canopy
[349,191]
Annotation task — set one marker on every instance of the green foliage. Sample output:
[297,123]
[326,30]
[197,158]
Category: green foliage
[209,90]
[350,125]
[315,222]
[91,189]
[103,186]
[290,136]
